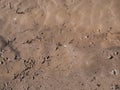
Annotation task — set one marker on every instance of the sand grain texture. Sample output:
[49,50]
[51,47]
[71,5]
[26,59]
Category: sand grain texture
[59,44]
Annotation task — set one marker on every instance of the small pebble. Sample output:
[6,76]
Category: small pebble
[115,87]
[87,36]
[65,45]
[110,57]
[1,62]
[116,53]
[114,72]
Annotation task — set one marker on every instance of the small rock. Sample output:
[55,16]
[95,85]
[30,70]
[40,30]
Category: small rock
[99,30]
[65,45]
[114,72]
[98,85]
[116,53]
[115,87]
[87,36]
[1,62]
[110,57]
